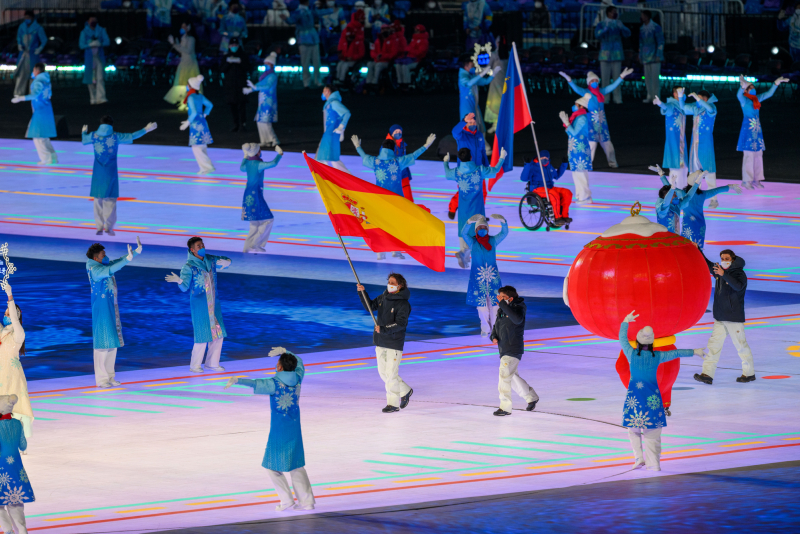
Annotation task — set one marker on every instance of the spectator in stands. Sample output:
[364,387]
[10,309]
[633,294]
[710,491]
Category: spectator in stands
[159,17]
[789,19]
[236,68]
[539,18]
[187,68]
[477,21]
[382,51]
[277,15]
[211,12]
[92,41]
[651,54]
[351,45]
[307,39]
[377,17]
[415,52]
[332,22]
[30,42]
[610,33]
[233,25]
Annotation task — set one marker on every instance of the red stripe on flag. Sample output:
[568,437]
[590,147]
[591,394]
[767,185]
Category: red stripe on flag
[522,115]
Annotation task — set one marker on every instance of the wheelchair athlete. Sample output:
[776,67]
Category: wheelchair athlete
[560,197]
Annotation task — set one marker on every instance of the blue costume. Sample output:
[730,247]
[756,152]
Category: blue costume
[597,110]
[468,83]
[610,33]
[31,39]
[388,168]
[304,31]
[694,221]
[89,34]
[42,122]
[477,21]
[668,209]
[751,137]
[651,43]
[267,88]
[334,114]
[701,156]
[199,107]
[254,207]
[285,445]
[675,122]
[399,149]
[234,25]
[470,179]
[15,486]
[159,13]
[199,278]
[106,325]
[643,405]
[105,179]
[579,152]
[532,173]
[484,277]
[473,140]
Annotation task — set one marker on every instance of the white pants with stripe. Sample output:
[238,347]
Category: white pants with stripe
[104,360]
[608,148]
[646,445]
[752,166]
[510,379]
[266,134]
[203,161]
[723,329]
[581,181]
[13,515]
[105,213]
[199,350]
[301,485]
[47,154]
[259,234]
[389,371]
[487,316]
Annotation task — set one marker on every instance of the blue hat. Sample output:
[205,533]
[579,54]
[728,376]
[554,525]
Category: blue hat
[394,127]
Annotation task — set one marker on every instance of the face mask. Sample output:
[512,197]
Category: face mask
[397,136]
[593,85]
[105,260]
[482,232]
[574,108]
[183,32]
[201,252]
[234,49]
[725,264]
[33,76]
[324,98]
[391,288]
[545,162]
[752,91]
[472,128]
[28,22]
[6,320]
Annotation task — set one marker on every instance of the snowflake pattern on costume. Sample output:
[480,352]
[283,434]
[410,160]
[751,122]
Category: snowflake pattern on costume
[639,385]
[487,280]
[4,479]
[10,460]
[23,475]
[267,99]
[653,402]
[16,364]
[13,496]
[631,403]
[638,419]
[286,401]
[581,165]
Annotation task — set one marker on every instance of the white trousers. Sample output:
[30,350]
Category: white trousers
[404,72]
[105,213]
[203,161]
[374,71]
[610,71]
[337,165]
[104,360]
[259,234]
[752,166]
[678,177]
[648,439]
[97,90]
[581,181]
[465,251]
[342,68]
[47,154]
[309,54]
[214,351]
[487,317]
[300,483]
[266,134]
[711,180]
[723,329]
[651,81]
[510,379]
[389,371]
[23,75]
[13,515]
[608,148]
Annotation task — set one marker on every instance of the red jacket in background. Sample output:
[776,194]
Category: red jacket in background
[418,48]
[352,50]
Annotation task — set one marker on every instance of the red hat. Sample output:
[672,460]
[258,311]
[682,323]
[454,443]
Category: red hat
[419,28]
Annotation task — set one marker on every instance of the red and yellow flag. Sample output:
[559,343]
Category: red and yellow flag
[386,221]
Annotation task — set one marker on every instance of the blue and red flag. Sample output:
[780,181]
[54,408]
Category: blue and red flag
[513,116]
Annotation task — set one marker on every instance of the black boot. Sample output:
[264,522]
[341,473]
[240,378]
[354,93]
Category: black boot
[405,398]
[743,379]
[389,409]
[500,412]
[705,379]
[531,406]
[451,215]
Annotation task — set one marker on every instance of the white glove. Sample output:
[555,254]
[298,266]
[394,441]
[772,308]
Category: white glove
[223,263]
[231,381]
[184,125]
[139,247]
[497,216]
[700,353]
[564,118]
[150,126]
[657,169]
[95,43]
[85,129]
[172,277]
[130,253]
[171,39]
[251,85]
[565,76]
[503,153]
[231,59]
[356,141]
[680,91]
[657,101]
[630,317]
[736,189]
[626,72]
[339,129]
[485,72]
[247,91]
[17,99]
[447,157]
[20,47]
[496,70]
[278,150]
[474,218]
[694,95]
[8,291]
[276,351]
[781,80]
[430,140]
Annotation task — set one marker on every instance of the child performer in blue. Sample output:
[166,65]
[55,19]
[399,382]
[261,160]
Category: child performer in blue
[15,486]
[668,205]
[199,133]
[694,221]
[284,452]
[751,138]
[676,158]
[643,414]
[254,207]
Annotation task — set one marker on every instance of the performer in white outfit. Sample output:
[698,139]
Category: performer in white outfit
[12,376]
[187,68]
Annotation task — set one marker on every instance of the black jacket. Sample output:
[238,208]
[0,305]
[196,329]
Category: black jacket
[729,292]
[236,75]
[391,312]
[509,328]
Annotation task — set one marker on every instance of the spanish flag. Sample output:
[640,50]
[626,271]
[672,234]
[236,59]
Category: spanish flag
[386,221]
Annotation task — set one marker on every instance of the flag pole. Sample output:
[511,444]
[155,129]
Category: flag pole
[533,130]
[364,293]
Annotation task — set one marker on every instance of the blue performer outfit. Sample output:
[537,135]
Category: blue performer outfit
[15,486]
[597,113]
[31,40]
[484,277]
[267,112]
[92,41]
[199,133]
[335,116]
[42,125]
[751,138]
[388,167]
[668,209]
[676,157]
[694,221]
[254,207]
[468,83]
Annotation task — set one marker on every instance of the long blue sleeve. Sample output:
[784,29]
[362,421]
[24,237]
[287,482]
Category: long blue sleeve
[366,159]
[687,197]
[300,369]
[101,271]
[710,193]
[343,112]
[186,278]
[577,88]
[86,138]
[207,106]
[503,233]
[458,128]
[623,340]
[409,159]
[667,355]
[83,40]
[664,180]
[264,165]
[740,96]
[613,85]
[577,125]
[765,95]
[261,386]
[127,139]
[468,234]
[710,109]
[449,173]
[491,172]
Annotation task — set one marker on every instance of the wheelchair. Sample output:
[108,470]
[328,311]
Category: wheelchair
[535,211]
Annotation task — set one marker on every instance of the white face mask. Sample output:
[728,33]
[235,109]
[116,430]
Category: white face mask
[725,264]
[391,288]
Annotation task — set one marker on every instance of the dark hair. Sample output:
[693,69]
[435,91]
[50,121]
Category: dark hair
[107,119]
[610,9]
[662,193]
[29,13]
[647,13]
[192,241]
[464,59]
[388,144]
[704,93]
[288,361]
[400,279]
[304,2]
[94,250]
[510,291]
[641,347]
[729,252]
[687,188]
[464,154]
[39,66]
[329,87]
[19,314]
